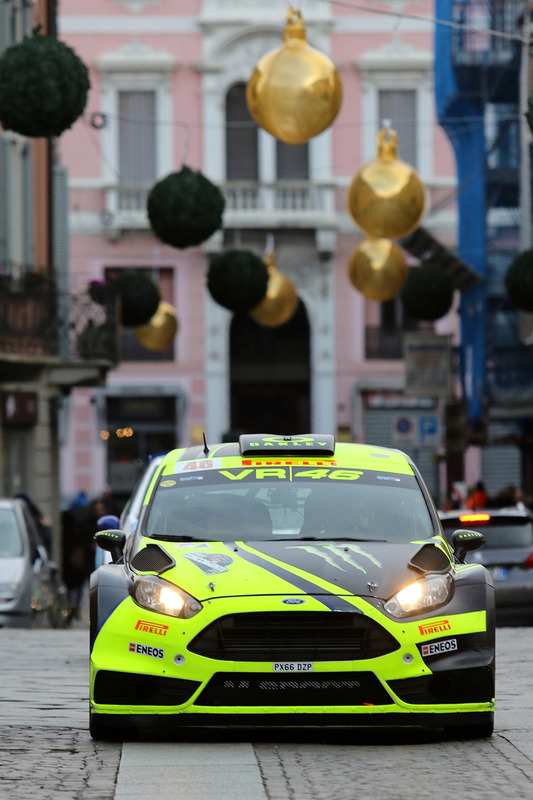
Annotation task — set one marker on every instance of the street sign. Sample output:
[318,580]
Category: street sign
[428,364]
[415,430]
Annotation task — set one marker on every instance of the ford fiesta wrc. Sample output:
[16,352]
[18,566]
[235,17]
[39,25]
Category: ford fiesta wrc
[290,581]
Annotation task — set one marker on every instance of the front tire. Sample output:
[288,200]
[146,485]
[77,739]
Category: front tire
[482,731]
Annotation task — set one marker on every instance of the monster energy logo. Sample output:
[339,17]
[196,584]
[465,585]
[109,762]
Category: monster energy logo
[348,553]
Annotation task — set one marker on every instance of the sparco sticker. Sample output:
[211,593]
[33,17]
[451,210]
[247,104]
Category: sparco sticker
[438,648]
[146,650]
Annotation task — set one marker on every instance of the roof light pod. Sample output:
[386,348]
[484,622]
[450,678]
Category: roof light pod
[303,444]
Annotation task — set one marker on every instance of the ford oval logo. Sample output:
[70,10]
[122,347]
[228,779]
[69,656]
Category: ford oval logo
[293,601]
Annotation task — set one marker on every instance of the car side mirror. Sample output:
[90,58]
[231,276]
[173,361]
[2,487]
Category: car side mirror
[465,541]
[113,541]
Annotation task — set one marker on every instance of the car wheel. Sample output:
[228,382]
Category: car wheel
[482,731]
[96,729]
[101,730]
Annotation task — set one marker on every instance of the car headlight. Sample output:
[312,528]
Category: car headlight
[8,592]
[422,595]
[155,594]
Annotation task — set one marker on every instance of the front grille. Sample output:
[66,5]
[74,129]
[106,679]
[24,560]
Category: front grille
[293,636]
[321,689]
[131,689]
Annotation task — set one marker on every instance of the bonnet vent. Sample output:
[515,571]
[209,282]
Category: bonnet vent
[431,559]
[152,558]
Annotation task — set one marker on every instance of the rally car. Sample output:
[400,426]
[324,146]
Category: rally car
[290,581]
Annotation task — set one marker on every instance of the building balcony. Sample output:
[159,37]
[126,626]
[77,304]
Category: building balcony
[249,204]
[40,324]
[485,62]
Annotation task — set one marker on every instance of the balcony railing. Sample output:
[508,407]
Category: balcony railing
[475,40]
[39,322]
[248,203]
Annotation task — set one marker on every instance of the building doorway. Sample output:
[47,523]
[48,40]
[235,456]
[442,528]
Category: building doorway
[270,376]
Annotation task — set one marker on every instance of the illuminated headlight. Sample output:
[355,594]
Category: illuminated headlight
[422,595]
[165,598]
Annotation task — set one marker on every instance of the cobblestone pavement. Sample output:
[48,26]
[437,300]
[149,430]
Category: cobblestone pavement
[55,763]
[46,752]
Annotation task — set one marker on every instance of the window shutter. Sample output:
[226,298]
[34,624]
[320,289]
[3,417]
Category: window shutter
[241,137]
[292,161]
[399,106]
[137,145]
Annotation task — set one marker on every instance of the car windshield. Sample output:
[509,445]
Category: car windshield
[285,502]
[11,544]
[500,532]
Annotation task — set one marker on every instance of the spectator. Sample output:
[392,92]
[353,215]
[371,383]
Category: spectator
[44,524]
[111,506]
[519,499]
[505,497]
[96,510]
[478,498]
[77,558]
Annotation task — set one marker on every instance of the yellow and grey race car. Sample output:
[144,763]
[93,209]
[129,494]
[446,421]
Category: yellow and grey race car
[290,580]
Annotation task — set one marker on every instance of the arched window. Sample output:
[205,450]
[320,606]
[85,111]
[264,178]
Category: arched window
[242,146]
[241,137]
[292,161]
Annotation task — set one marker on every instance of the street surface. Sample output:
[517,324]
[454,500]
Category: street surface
[46,752]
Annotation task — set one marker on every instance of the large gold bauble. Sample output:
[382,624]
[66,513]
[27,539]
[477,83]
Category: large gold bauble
[377,268]
[280,301]
[387,198]
[295,91]
[160,330]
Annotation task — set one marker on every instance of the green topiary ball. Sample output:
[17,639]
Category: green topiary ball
[237,280]
[139,298]
[43,87]
[519,280]
[185,208]
[427,293]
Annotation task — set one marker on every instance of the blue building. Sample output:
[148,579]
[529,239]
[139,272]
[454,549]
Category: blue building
[481,63]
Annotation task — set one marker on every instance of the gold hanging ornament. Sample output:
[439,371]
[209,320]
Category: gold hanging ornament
[281,300]
[295,91]
[160,330]
[387,198]
[377,268]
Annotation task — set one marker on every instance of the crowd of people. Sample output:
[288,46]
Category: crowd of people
[478,498]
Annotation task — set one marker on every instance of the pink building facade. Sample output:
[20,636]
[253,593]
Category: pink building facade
[168,80]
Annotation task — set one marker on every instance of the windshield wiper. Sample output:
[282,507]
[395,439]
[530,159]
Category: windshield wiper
[168,537]
[332,539]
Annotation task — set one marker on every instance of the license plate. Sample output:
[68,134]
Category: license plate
[292,666]
[499,573]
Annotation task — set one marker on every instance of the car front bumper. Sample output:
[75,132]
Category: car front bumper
[425,672]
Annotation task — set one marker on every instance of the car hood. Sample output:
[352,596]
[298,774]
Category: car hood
[216,569]
[12,570]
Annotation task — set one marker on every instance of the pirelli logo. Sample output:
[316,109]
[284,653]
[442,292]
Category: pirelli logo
[434,627]
[151,627]
[287,462]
